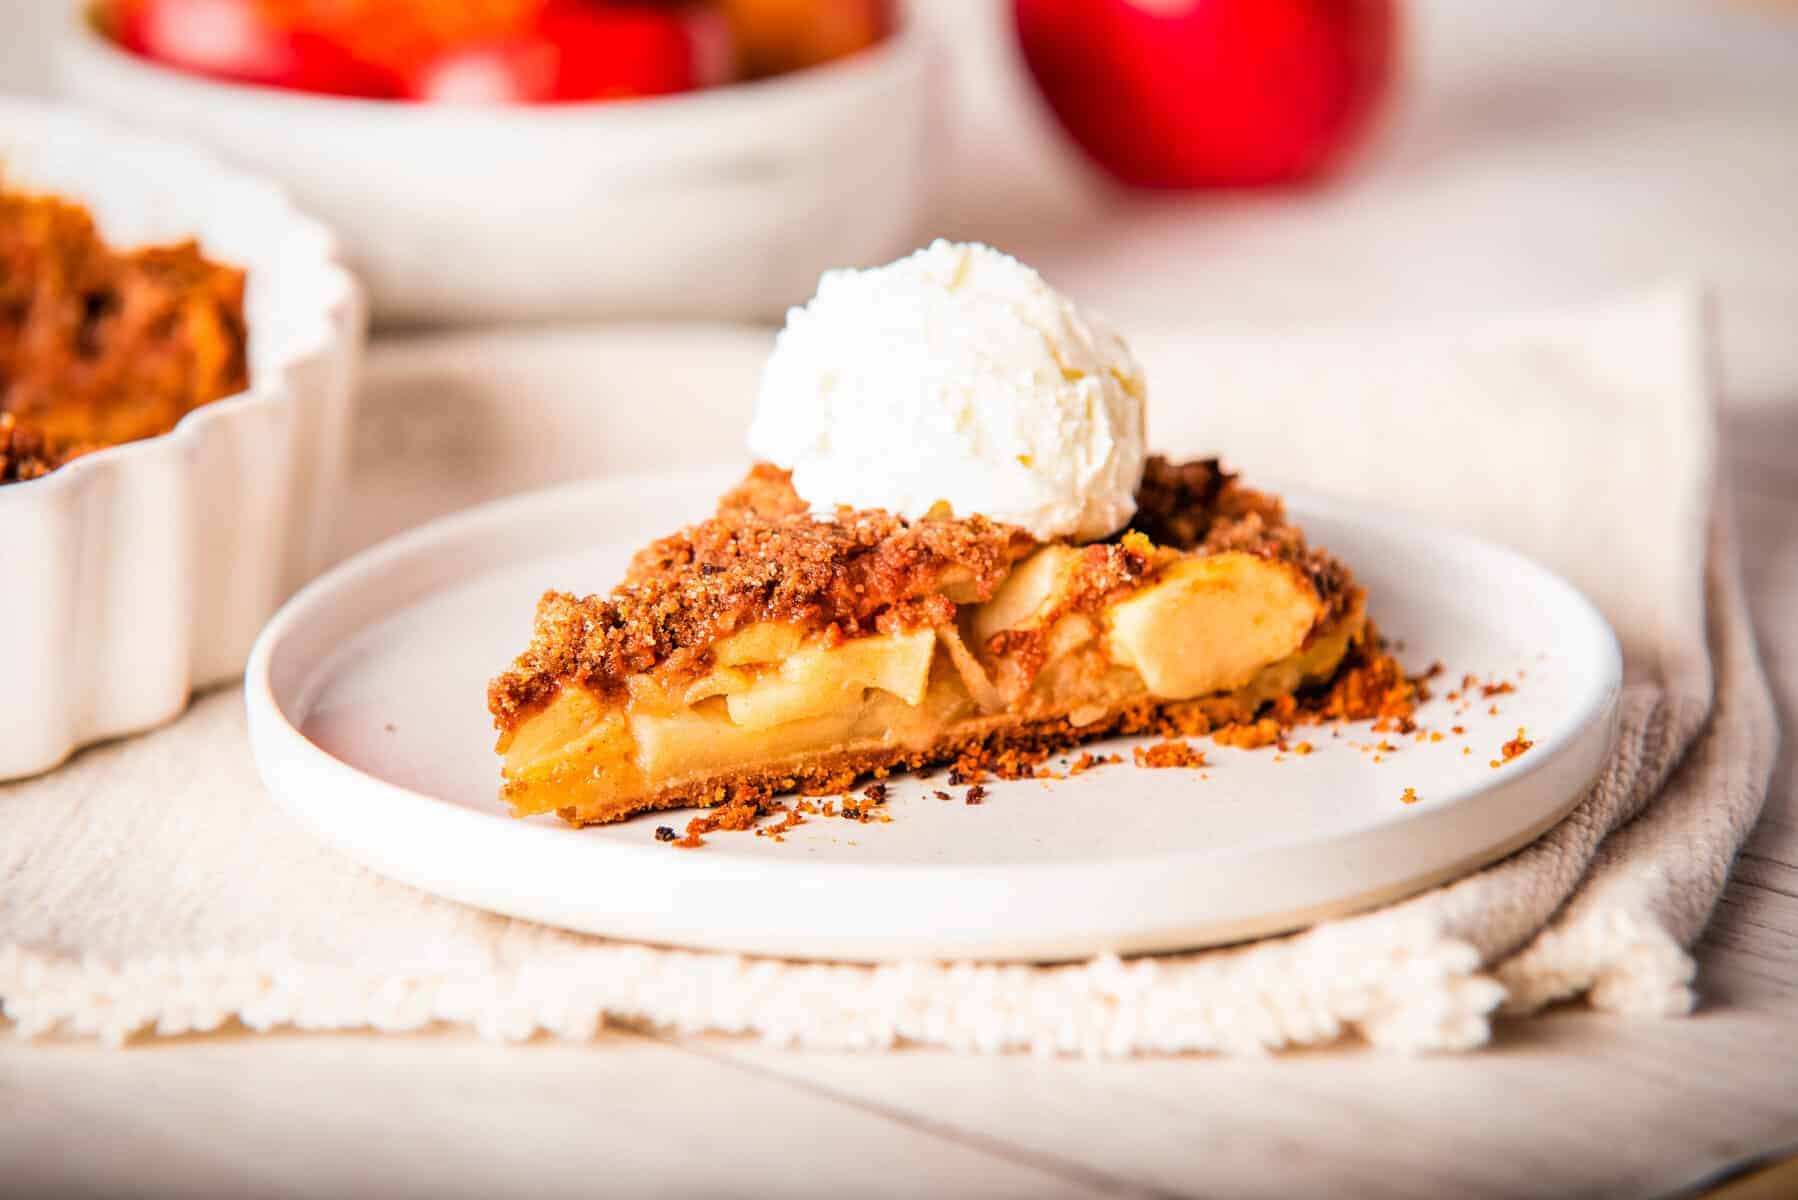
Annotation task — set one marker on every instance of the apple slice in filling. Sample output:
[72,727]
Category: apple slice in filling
[777,706]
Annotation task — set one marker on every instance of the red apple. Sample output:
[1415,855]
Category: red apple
[572,51]
[397,35]
[512,70]
[1211,93]
[236,40]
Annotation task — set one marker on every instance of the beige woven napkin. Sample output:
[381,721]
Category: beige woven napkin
[151,886]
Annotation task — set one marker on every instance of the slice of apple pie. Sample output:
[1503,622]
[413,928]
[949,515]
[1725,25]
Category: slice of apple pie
[769,649]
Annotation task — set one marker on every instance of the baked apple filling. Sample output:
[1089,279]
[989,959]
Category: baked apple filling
[1056,646]
[769,649]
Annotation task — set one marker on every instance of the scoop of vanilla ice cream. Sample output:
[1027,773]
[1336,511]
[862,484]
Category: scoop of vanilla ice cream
[956,375]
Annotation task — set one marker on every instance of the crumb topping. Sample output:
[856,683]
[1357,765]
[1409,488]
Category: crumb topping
[100,346]
[1169,754]
[1088,760]
[24,452]
[1200,506]
[1515,748]
[765,557]
[1176,502]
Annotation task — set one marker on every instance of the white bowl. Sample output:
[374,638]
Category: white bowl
[724,203]
[136,574]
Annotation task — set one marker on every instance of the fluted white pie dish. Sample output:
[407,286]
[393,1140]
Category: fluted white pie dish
[136,574]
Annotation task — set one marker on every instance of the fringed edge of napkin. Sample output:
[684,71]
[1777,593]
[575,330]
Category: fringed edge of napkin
[1423,993]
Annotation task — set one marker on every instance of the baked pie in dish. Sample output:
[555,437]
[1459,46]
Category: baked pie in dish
[955,550]
[101,346]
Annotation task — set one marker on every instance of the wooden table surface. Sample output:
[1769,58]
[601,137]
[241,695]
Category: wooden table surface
[1548,151]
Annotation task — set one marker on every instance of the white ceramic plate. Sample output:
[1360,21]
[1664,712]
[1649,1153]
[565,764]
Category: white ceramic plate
[368,721]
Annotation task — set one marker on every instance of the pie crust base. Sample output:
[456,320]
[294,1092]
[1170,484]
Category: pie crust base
[1002,743]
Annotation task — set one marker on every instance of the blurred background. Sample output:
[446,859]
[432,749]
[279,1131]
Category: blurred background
[1306,162]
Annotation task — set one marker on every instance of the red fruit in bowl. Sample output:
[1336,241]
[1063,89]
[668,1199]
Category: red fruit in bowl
[1211,93]
[236,40]
[513,70]
[572,51]
[619,51]
[398,34]
[776,36]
